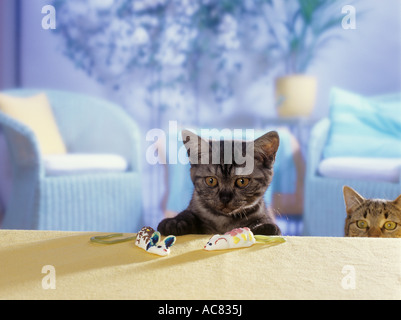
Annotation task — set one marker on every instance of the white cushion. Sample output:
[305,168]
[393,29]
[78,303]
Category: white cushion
[374,169]
[56,165]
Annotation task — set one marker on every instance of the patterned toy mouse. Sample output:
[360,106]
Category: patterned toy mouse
[238,238]
[150,240]
[147,239]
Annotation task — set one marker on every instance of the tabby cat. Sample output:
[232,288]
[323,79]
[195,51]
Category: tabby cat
[371,217]
[225,198]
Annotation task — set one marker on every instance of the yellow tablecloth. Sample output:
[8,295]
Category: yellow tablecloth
[301,268]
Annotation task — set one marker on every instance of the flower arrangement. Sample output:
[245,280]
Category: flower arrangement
[171,43]
[171,40]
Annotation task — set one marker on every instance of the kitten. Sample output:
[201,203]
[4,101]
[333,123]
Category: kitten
[371,217]
[225,198]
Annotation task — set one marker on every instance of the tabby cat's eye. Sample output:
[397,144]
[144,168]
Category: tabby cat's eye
[362,224]
[242,182]
[211,181]
[390,225]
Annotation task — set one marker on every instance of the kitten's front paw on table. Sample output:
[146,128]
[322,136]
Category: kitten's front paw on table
[268,229]
[172,226]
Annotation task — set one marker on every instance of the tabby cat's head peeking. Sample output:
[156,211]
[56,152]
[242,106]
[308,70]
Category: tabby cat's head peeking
[371,217]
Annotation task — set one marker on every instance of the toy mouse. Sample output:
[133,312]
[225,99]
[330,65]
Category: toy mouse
[150,240]
[147,238]
[238,238]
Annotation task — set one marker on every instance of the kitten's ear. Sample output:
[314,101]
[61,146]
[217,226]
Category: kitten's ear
[197,148]
[397,202]
[267,146]
[352,199]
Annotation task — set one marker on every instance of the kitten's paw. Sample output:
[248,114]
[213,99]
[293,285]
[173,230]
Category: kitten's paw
[172,226]
[269,229]
[164,226]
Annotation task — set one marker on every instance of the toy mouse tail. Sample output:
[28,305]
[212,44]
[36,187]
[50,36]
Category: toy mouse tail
[269,239]
[104,239]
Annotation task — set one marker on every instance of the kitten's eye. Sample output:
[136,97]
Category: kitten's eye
[242,182]
[362,224]
[390,225]
[211,181]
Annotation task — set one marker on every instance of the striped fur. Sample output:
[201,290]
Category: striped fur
[226,206]
[371,217]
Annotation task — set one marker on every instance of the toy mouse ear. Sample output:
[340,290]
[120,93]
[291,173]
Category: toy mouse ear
[169,241]
[219,243]
[154,239]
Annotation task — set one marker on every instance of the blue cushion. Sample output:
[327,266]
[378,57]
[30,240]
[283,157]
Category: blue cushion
[363,127]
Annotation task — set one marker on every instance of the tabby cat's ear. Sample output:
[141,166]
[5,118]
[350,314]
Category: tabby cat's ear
[397,202]
[352,199]
[197,148]
[267,146]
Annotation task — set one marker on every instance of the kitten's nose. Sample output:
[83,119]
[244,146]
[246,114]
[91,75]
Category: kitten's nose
[225,196]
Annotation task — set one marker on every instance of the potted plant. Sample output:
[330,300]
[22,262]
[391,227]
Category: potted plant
[298,30]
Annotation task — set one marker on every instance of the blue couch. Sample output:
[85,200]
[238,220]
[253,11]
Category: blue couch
[109,202]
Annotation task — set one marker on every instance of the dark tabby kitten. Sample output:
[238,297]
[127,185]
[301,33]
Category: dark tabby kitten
[225,197]
[371,217]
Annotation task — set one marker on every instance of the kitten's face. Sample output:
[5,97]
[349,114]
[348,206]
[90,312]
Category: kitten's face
[371,217]
[223,188]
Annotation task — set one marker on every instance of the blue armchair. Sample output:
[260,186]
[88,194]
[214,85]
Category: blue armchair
[324,208]
[109,202]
